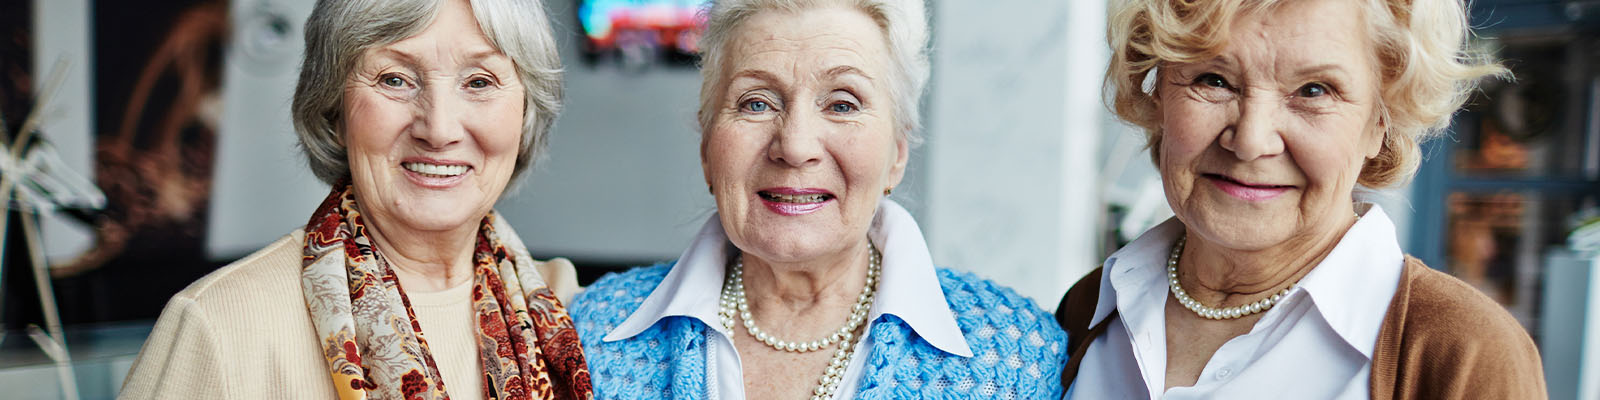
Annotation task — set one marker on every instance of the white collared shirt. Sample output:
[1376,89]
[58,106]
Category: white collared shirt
[908,288]
[1316,344]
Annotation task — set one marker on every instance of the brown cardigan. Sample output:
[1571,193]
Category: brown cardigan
[1441,339]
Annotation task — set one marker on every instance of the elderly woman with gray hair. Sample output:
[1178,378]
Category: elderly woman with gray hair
[419,114]
[808,281]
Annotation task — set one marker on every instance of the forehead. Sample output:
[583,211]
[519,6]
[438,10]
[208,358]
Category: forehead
[1302,31]
[452,34]
[824,36]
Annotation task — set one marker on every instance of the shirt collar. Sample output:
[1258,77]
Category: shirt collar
[1130,268]
[1354,284]
[909,282]
[692,288]
[1351,287]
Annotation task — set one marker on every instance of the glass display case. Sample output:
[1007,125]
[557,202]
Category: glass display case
[1498,198]
[1522,162]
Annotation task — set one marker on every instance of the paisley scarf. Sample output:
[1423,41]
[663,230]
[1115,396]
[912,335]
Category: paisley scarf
[376,349]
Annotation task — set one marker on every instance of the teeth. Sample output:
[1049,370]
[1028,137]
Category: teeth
[435,169]
[797,198]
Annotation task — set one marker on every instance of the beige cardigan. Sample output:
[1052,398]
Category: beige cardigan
[243,332]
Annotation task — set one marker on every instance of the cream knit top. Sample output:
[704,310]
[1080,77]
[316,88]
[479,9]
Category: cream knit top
[243,332]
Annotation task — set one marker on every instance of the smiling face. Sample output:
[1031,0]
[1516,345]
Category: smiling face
[802,143]
[432,125]
[1262,145]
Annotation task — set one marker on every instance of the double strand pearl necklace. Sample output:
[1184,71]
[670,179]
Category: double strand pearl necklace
[1206,311]
[733,299]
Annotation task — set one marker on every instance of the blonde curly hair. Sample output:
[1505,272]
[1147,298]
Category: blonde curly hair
[1427,69]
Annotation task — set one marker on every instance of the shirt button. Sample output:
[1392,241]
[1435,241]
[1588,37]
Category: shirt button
[1224,373]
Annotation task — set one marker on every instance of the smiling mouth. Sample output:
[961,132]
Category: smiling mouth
[435,170]
[795,198]
[1225,178]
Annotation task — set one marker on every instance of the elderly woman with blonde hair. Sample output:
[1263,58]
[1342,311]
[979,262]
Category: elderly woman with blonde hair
[1273,280]
[418,113]
[809,282]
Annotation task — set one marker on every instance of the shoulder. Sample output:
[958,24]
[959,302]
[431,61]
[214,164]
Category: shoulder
[970,296]
[1444,336]
[608,301]
[218,335]
[262,279]
[640,366]
[1443,310]
[997,320]
[1017,348]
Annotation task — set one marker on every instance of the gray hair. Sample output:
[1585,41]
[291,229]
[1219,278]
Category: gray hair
[340,31]
[905,30]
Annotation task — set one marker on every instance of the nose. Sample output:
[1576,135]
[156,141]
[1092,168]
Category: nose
[441,119]
[798,141]
[1255,133]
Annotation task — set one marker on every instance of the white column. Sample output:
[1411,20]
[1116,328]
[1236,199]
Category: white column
[1012,161]
[61,32]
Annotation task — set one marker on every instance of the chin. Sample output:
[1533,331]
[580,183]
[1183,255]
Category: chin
[785,247]
[439,216]
[1241,232]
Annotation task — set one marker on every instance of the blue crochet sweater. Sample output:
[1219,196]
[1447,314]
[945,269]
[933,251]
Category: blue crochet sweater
[1018,349]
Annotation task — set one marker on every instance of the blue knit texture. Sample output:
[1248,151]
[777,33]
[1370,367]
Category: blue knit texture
[1018,349]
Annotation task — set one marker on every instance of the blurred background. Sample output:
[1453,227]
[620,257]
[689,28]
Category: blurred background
[169,153]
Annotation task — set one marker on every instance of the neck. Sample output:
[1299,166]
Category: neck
[801,286]
[426,261]
[1218,276]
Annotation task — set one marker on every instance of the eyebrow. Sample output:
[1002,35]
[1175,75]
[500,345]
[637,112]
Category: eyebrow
[1320,69]
[846,70]
[411,59]
[757,74]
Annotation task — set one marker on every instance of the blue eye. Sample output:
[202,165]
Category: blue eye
[842,108]
[757,106]
[1312,90]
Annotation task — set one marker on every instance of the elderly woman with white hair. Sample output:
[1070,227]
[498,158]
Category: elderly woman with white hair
[808,281]
[1274,280]
[419,113]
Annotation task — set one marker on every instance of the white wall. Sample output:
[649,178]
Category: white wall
[1014,129]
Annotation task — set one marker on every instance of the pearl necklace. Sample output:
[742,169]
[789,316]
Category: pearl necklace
[1206,311]
[733,299]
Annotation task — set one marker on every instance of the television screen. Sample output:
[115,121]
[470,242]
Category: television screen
[638,33]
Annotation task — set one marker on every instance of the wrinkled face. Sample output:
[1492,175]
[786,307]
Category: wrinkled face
[802,143]
[1263,144]
[432,125]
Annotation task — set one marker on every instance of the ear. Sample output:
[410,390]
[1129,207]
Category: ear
[897,171]
[705,168]
[1372,142]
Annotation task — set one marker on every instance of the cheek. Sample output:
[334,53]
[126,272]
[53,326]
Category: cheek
[1329,165]
[371,124]
[1187,130]
[1331,152]
[502,127]
[720,152]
